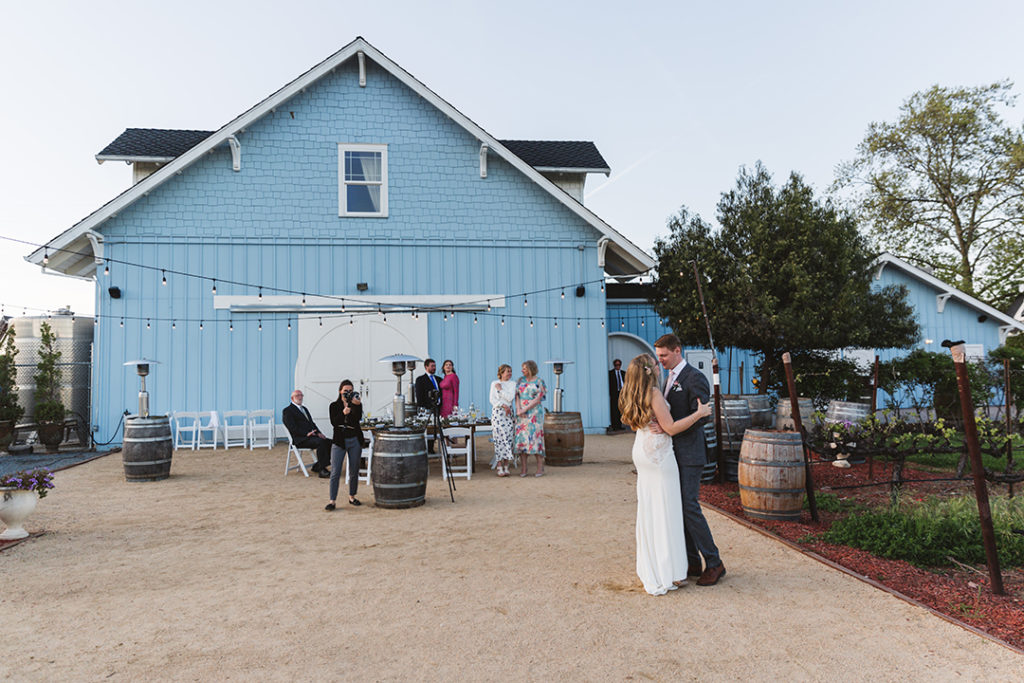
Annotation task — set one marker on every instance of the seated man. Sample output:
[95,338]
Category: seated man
[305,433]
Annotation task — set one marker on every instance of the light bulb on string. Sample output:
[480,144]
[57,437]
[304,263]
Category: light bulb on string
[643,323]
[260,295]
[563,294]
[531,322]
[163,277]
[321,321]
[122,322]
[46,258]
[303,298]
[503,321]
[577,323]
[342,305]
[200,325]
[474,318]
[602,323]
[95,322]
[526,302]
[379,311]
[106,268]
[602,285]
[260,324]
[385,320]
[445,317]
[147,323]
[622,323]
[213,290]
[556,323]
[174,324]
[488,305]
[231,325]
[351,321]
[289,323]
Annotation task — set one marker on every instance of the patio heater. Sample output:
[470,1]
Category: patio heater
[398,363]
[410,365]
[558,368]
[142,369]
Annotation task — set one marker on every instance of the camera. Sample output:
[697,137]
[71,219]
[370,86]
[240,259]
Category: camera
[350,395]
[434,395]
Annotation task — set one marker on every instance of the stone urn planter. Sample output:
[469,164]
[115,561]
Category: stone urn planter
[51,434]
[15,507]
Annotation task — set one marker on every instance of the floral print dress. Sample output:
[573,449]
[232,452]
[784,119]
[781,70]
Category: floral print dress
[529,437]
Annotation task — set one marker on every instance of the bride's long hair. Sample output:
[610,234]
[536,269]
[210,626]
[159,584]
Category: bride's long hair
[642,375]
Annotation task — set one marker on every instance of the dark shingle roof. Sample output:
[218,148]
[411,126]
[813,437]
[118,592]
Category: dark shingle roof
[558,154]
[154,142]
[165,143]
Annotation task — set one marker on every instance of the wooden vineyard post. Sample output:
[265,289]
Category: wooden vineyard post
[798,425]
[874,411]
[1009,423]
[988,535]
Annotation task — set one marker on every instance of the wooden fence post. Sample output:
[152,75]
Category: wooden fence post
[798,424]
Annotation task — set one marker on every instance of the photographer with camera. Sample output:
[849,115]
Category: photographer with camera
[346,416]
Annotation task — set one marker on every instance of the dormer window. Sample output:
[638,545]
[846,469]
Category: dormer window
[363,180]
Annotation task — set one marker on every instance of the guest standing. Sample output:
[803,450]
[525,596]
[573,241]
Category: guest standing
[615,379]
[503,394]
[428,394]
[529,439]
[346,416]
[449,389]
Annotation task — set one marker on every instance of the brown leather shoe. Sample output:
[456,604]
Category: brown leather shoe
[693,572]
[711,575]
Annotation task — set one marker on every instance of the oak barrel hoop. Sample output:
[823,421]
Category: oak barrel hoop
[771,475]
[563,439]
[147,448]
[784,413]
[398,468]
[735,421]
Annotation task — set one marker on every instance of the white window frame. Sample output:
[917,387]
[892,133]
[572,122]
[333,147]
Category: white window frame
[343,185]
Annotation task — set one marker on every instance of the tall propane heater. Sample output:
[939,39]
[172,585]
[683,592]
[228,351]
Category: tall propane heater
[563,432]
[398,363]
[147,439]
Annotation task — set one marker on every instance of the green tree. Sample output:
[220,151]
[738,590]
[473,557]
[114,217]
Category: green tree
[786,272]
[10,409]
[943,187]
[48,376]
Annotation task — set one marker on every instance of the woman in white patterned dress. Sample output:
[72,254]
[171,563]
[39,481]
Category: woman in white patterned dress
[661,561]
[503,393]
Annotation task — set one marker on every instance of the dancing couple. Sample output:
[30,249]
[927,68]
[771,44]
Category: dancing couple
[669,454]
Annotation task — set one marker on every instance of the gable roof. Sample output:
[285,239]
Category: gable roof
[1006,323]
[163,145]
[151,144]
[80,245]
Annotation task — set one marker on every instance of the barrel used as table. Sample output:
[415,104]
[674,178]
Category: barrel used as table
[771,474]
[147,448]
[784,413]
[398,468]
[707,475]
[735,421]
[563,439]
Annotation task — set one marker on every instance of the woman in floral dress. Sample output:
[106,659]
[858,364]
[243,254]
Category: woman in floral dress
[530,423]
[503,395]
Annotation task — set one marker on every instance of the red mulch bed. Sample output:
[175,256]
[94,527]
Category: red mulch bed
[961,594]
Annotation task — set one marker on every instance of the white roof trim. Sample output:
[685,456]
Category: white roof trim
[572,169]
[132,159]
[946,291]
[629,251]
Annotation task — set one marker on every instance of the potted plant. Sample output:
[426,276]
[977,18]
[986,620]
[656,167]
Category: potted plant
[49,411]
[10,410]
[18,495]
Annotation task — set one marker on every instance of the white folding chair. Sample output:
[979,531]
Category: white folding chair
[364,474]
[456,451]
[186,425]
[208,429]
[261,428]
[296,452]
[234,430]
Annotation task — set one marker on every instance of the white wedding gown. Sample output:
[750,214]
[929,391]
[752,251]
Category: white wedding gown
[660,546]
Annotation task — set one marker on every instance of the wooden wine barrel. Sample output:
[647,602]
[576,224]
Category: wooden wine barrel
[784,413]
[846,411]
[398,468]
[771,475]
[735,421]
[761,413]
[147,448]
[707,475]
[563,439]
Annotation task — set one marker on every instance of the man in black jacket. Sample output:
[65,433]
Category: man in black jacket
[305,433]
[428,391]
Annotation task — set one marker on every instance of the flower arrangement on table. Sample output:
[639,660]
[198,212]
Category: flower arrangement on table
[40,481]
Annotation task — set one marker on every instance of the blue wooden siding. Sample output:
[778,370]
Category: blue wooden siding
[276,223]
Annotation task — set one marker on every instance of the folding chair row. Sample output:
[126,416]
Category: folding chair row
[296,453]
[252,428]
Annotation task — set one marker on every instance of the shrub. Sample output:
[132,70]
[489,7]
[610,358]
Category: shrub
[10,409]
[926,378]
[927,535]
[48,406]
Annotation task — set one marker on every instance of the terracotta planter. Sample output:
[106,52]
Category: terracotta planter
[51,434]
[15,507]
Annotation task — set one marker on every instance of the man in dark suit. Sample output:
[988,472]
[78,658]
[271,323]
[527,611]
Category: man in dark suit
[615,378]
[425,384]
[684,387]
[305,433]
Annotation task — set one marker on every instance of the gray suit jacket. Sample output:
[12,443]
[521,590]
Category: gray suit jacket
[690,385]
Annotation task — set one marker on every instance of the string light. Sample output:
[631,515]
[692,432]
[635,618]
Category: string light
[526,302]
[379,311]
[147,323]
[260,321]
[503,321]
[303,298]
[531,322]
[643,323]
[351,321]
[163,278]
[577,323]
[342,305]
[122,322]
[488,305]
[602,323]
[445,317]
[622,323]
[563,295]
[321,321]
[289,323]
[474,318]
[556,323]
[200,325]
[602,286]
[174,324]
[214,289]
[231,325]
[106,268]
[46,258]
[260,295]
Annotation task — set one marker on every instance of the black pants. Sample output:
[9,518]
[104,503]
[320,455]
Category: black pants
[322,448]
[616,413]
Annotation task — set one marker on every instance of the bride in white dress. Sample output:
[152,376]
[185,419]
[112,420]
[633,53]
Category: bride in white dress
[661,561]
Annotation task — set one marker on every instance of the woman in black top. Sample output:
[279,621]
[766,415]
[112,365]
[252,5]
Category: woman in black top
[346,415]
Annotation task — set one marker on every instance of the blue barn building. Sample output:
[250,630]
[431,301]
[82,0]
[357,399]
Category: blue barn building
[942,311]
[349,215]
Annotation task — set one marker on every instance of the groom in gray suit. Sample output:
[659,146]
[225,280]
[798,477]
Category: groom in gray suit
[684,387]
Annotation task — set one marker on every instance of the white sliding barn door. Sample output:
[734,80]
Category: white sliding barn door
[340,350]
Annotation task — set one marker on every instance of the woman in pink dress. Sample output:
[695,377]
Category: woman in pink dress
[449,388]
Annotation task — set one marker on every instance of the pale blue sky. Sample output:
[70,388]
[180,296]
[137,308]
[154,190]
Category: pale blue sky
[677,95]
